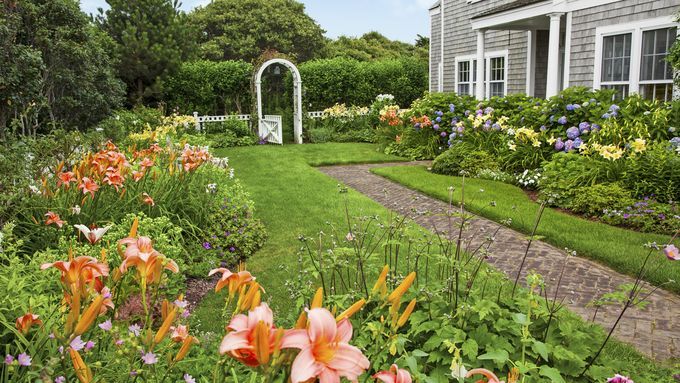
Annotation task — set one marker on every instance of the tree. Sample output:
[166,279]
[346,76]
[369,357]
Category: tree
[422,42]
[374,46]
[54,68]
[243,29]
[152,39]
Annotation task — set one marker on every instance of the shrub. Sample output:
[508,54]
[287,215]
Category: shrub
[654,173]
[210,87]
[463,158]
[346,81]
[593,200]
[123,122]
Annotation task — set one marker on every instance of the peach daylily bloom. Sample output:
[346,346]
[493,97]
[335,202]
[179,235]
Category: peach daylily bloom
[137,175]
[325,352]
[252,338]
[26,321]
[114,178]
[490,376]
[92,235]
[88,186]
[148,200]
[149,262]
[146,163]
[65,178]
[394,375]
[53,218]
[233,280]
[79,271]
[179,333]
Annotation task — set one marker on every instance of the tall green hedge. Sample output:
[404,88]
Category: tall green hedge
[341,80]
[210,87]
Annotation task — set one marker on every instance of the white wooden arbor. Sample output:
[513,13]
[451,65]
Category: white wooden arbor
[269,127]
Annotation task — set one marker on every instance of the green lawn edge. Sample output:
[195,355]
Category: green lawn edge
[618,248]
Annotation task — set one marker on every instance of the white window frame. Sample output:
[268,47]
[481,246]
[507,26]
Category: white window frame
[487,71]
[635,29]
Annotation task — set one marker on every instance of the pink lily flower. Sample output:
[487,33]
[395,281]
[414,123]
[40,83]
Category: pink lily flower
[251,339]
[325,352]
[394,375]
[672,252]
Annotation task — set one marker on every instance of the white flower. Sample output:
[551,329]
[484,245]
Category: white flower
[93,236]
[458,371]
[75,210]
[211,188]
[231,173]
[34,189]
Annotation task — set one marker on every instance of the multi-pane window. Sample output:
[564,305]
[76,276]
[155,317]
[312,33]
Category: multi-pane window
[616,63]
[497,76]
[656,74]
[495,70]
[464,77]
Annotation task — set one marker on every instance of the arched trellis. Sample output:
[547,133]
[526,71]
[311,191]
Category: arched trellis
[269,127]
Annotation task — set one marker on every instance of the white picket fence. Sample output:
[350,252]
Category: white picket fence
[202,119]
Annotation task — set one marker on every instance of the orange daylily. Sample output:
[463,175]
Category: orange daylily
[26,321]
[146,163]
[137,175]
[79,271]
[88,186]
[65,178]
[233,280]
[53,218]
[149,262]
[114,178]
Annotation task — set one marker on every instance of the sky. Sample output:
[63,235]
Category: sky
[397,19]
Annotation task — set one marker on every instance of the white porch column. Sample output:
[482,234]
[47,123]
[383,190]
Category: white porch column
[552,85]
[479,83]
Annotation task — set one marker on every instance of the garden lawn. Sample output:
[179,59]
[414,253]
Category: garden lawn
[618,248]
[293,198]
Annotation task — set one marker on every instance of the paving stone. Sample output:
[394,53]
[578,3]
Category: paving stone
[654,330]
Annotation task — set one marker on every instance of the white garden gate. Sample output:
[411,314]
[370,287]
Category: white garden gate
[270,127]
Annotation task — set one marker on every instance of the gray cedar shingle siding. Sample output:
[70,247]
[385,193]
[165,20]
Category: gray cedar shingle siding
[435,50]
[461,40]
[585,21]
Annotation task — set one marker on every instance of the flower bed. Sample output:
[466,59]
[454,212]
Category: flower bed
[575,140]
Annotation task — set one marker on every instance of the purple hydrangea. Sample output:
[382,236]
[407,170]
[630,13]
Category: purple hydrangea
[568,146]
[595,127]
[606,116]
[584,127]
[460,129]
[559,144]
[570,107]
[454,121]
[573,132]
[439,113]
[562,120]
[443,134]
[496,126]
[488,110]
[435,126]
[438,119]
[452,108]
[543,128]
[467,113]
[207,245]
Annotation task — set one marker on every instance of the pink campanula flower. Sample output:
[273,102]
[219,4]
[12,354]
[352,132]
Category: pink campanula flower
[106,326]
[24,359]
[77,343]
[149,358]
[672,252]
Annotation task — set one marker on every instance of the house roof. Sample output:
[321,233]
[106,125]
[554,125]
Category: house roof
[506,7]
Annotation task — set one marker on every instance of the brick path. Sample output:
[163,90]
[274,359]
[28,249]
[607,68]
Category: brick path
[654,330]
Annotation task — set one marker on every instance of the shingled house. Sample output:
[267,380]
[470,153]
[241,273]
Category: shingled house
[540,47]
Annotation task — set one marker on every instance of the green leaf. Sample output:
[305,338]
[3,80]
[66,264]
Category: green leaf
[419,353]
[470,348]
[541,349]
[411,363]
[521,319]
[552,373]
[498,356]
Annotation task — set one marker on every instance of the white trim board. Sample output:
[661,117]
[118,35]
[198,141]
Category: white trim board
[535,10]
[487,70]
[635,29]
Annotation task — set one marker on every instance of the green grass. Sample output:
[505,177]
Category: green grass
[615,247]
[292,198]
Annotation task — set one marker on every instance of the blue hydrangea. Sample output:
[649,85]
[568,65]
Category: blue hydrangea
[438,119]
[460,129]
[578,142]
[488,110]
[443,134]
[573,132]
[568,146]
[467,113]
[570,107]
[552,118]
[435,127]
[454,121]
[439,113]
[452,108]
[543,128]
[606,116]
[595,127]
[496,126]
[562,120]
[584,127]
[559,144]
